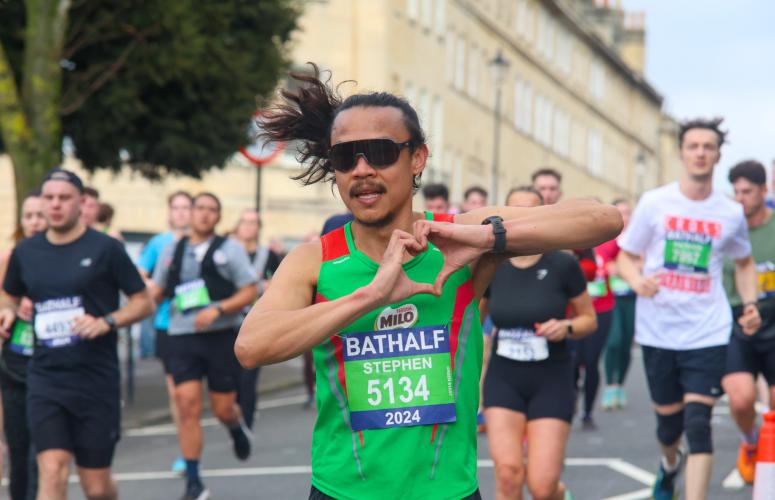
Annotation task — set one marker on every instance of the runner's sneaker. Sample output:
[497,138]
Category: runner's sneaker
[609,401]
[588,423]
[621,397]
[179,466]
[242,439]
[481,425]
[195,491]
[664,486]
[746,462]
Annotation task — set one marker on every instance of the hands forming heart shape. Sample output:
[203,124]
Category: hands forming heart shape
[460,245]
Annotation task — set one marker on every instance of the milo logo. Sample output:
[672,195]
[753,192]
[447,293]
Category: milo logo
[402,317]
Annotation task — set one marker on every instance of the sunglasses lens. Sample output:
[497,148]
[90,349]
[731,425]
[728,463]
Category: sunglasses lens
[378,153]
[381,152]
[342,156]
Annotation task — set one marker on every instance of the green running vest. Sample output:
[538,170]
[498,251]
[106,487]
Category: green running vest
[398,389]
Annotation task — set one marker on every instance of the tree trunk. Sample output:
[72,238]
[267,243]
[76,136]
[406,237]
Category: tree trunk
[29,117]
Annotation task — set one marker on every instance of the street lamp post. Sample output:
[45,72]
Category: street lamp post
[499,67]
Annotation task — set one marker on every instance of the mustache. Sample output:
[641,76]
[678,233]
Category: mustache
[366,186]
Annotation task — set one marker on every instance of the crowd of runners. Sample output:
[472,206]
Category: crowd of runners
[418,328]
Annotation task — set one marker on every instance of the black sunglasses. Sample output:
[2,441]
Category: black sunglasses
[379,153]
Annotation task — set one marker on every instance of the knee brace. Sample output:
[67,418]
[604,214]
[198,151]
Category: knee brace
[697,424]
[670,427]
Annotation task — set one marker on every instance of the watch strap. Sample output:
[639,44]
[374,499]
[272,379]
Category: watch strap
[499,231]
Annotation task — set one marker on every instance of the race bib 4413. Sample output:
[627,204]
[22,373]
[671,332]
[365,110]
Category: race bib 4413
[398,378]
[54,321]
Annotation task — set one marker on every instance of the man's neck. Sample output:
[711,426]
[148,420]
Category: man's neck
[760,217]
[374,240]
[179,232]
[250,245]
[696,189]
[196,237]
[64,237]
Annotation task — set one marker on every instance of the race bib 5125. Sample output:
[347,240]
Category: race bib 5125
[522,344]
[398,378]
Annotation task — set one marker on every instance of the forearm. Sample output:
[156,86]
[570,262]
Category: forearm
[572,224]
[8,301]
[583,325]
[244,297]
[745,281]
[628,267]
[272,336]
[137,307]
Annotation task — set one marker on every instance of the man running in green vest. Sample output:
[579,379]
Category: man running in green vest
[388,303]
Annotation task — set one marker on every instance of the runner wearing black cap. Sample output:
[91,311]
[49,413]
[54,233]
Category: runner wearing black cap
[73,275]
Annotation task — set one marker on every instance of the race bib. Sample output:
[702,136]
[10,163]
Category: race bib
[522,344]
[191,295]
[22,338]
[54,321]
[765,272]
[619,287]
[399,378]
[688,244]
[597,288]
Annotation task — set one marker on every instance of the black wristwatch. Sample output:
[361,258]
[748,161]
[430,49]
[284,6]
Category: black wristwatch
[110,320]
[499,231]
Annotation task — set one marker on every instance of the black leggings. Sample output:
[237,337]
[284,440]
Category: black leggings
[588,351]
[23,467]
[246,394]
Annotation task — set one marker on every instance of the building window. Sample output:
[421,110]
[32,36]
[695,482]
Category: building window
[596,79]
[410,93]
[460,63]
[595,152]
[451,42]
[412,9]
[546,29]
[473,72]
[427,14]
[441,16]
[561,139]
[564,50]
[527,108]
[437,134]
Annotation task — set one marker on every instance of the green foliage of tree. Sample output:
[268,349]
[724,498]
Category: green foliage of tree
[172,83]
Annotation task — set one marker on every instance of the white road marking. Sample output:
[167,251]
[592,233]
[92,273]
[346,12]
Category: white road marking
[615,464]
[169,429]
[733,481]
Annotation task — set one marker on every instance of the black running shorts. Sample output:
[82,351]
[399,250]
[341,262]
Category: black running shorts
[542,389]
[671,373]
[85,425]
[753,356]
[198,355]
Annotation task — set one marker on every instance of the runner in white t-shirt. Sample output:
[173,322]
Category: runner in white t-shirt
[683,231]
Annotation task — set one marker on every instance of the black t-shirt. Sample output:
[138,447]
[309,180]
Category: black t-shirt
[520,298]
[84,275]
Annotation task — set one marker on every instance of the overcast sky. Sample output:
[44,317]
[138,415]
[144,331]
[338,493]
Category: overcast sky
[716,58]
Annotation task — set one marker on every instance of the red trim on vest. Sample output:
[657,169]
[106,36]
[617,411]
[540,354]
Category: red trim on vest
[336,340]
[443,217]
[433,433]
[334,244]
[465,294]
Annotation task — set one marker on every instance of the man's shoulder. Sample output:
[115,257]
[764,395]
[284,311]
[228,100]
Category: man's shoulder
[161,240]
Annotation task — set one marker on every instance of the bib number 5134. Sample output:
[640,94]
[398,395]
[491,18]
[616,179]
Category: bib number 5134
[406,391]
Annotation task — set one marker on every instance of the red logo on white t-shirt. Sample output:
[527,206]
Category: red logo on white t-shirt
[678,223]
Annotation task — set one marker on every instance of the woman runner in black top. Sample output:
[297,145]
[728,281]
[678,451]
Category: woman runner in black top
[16,353]
[528,386]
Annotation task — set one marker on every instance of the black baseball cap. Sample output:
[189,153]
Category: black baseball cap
[60,174]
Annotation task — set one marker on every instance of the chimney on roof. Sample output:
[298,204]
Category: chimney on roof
[625,32]
[631,41]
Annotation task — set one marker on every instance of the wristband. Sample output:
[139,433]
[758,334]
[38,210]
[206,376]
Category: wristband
[110,321]
[750,303]
[499,231]
[569,324]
